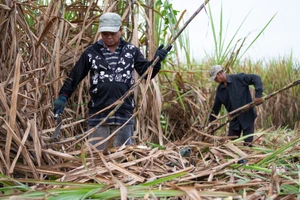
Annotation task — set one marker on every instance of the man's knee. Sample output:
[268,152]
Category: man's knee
[124,136]
[99,135]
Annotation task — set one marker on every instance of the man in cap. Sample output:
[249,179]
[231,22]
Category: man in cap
[111,62]
[233,92]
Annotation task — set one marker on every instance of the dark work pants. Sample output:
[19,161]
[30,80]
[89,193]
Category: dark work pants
[246,131]
[106,130]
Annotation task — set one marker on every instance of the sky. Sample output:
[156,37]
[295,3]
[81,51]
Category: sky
[280,39]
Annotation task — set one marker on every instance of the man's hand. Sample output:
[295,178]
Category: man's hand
[59,104]
[258,101]
[162,53]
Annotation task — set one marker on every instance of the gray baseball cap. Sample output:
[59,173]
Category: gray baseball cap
[110,22]
[214,70]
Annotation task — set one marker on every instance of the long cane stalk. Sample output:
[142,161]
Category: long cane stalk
[120,102]
[233,114]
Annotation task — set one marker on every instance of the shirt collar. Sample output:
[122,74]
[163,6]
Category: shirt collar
[228,80]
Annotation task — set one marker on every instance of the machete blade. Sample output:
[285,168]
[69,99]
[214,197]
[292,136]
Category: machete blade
[57,129]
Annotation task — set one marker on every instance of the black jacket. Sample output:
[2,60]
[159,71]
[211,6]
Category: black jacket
[235,95]
[107,85]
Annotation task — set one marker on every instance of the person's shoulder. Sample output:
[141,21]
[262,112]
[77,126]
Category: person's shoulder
[233,75]
[237,75]
[130,45]
[240,74]
[126,43]
[248,75]
[92,47]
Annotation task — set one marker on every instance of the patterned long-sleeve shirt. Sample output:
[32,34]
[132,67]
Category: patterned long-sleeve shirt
[111,76]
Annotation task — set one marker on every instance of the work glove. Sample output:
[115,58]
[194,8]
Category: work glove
[161,52]
[258,101]
[59,105]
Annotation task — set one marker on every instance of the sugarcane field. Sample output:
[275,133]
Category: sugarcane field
[223,128]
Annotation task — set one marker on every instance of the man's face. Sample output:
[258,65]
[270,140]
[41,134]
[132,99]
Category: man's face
[220,77]
[111,38]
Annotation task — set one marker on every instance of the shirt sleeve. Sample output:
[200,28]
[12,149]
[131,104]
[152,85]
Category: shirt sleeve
[141,64]
[215,109]
[79,72]
[253,79]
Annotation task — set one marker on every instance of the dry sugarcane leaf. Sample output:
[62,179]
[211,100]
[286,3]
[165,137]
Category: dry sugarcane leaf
[21,148]
[46,31]
[13,108]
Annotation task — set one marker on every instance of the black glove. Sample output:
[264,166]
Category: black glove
[59,104]
[162,53]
